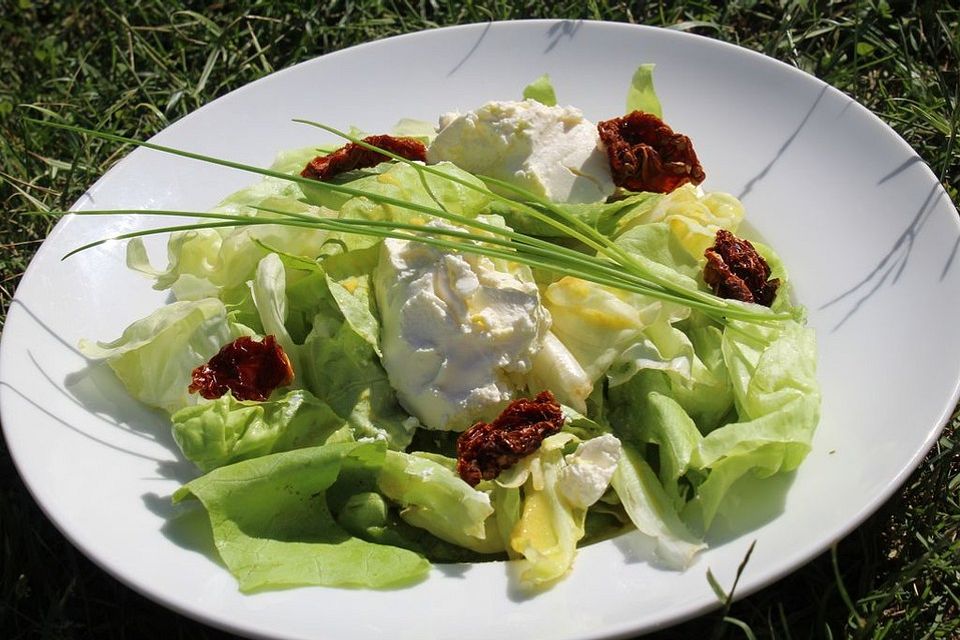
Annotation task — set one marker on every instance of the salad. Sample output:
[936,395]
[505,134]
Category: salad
[497,339]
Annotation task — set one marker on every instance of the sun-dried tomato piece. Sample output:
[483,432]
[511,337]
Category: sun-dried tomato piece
[249,369]
[353,156]
[484,450]
[646,155]
[735,270]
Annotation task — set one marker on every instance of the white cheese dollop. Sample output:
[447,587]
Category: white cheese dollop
[551,151]
[588,470]
[459,336]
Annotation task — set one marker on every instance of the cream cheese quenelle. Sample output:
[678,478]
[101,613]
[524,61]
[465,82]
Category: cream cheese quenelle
[551,151]
[459,335]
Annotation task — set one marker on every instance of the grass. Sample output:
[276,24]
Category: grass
[132,68]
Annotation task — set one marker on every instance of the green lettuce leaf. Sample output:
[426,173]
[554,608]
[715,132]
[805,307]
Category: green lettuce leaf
[343,370]
[603,216]
[403,182]
[693,217]
[311,307]
[507,510]
[768,373]
[435,498]
[556,369]
[778,271]
[349,278]
[422,130]
[718,402]
[773,372]
[338,359]
[685,364]
[595,322]
[155,356]
[218,262]
[604,327]
[652,511]
[269,288]
[541,90]
[294,160]
[641,95]
[658,248]
[549,528]
[226,430]
[273,529]
[370,516]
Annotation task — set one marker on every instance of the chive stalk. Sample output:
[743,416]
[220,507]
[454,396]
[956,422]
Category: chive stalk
[612,266]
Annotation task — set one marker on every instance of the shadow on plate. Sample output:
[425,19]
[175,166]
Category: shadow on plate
[556,33]
[96,391]
[473,50]
[185,525]
[563,29]
[891,265]
[752,182]
[751,503]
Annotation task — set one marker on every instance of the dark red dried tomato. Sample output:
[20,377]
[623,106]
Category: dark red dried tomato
[735,270]
[249,369]
[354,156]
[646,155]
[484,450]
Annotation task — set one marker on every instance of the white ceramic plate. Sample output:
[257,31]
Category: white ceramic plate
[867,232]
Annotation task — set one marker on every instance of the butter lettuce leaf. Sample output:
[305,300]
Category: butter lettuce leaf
[370,516]
[603,216]
[269,290]
[155,356]
[549,527]
[435,498]
[766,387]
[422,130]
[686,365]
[226,430]
[660,250]
[773,373]
[343,370]
[273,528]
[218,262]
[541,90]
[718,402]
[652,512]
[349,278]
[641,95]
[337,361]
[694,217]
[604,327]
[403,182]
[595,323]
[555,368]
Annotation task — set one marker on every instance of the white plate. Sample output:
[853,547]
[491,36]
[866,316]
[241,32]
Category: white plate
[868,234]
